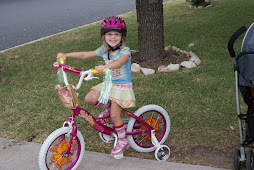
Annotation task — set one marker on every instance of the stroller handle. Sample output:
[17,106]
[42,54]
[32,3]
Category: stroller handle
[232,40]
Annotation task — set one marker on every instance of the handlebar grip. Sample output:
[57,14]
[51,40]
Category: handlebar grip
[233,38]
[61,60]
[94,71]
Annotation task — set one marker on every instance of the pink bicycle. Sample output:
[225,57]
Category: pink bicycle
[147,128]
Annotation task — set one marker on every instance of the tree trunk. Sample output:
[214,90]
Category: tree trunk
[200,1]
[150,29]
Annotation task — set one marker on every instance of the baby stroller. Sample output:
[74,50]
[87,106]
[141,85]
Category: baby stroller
[244,79]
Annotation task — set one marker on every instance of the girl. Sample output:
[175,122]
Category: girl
[117,57]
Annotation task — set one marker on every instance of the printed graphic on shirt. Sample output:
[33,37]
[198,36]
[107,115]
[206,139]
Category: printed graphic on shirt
[121,75]
[116,72]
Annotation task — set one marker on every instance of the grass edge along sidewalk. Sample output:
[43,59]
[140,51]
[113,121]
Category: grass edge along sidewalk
[200,101]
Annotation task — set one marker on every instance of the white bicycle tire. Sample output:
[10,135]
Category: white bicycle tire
[132,121]
[45,146]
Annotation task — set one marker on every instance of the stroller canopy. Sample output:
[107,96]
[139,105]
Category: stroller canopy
[245,59]
[248,40]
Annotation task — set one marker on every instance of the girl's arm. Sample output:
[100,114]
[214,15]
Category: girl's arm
[78,55]
[114,65]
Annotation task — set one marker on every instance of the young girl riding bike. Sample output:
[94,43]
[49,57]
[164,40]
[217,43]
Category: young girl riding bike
[117,58]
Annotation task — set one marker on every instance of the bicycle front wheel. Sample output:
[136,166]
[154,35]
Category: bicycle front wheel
[53,152]
[155,116]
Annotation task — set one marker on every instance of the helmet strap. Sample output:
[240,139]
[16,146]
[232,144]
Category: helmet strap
[114,49]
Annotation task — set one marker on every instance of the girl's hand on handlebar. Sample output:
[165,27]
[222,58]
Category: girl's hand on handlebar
[100,68]
[59,55]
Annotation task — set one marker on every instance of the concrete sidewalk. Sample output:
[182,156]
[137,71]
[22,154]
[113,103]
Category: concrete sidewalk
[24,156]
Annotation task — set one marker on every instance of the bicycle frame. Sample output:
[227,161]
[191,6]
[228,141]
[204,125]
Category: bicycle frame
[97,124]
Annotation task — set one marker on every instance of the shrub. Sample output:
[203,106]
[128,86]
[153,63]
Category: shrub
[197,1]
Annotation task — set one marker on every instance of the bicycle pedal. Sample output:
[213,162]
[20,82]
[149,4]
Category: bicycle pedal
[119,156]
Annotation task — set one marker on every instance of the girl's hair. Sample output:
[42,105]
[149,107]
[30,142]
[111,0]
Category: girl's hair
[107,47]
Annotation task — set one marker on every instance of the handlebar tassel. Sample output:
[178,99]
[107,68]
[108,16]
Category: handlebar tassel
[106,88]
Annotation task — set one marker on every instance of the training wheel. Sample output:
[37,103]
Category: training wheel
[162,153]
[106,138]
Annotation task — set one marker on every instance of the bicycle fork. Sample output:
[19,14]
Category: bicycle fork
[72,133]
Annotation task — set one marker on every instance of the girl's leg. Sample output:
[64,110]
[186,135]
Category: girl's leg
[116,114]
[92,99]
[122,143]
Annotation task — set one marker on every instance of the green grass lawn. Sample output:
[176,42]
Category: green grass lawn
[200,101]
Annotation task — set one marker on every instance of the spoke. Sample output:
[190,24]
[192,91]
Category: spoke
[151,119]
[156,121]
[143,138]
[54,164]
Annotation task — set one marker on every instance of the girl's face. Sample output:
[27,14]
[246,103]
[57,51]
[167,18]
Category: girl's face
[113,38]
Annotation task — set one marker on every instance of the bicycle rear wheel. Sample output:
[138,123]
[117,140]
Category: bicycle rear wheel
[156,117]
[53,153]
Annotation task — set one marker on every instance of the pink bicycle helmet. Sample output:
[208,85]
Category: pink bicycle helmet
[113,24]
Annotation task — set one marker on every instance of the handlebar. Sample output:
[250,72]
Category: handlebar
[94,71]
[232,40]
[65,68]
[61,60]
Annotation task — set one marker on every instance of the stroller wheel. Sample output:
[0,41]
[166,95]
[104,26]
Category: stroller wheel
[249,160]
[236,159]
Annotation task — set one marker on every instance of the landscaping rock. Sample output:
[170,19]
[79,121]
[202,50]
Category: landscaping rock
[195,58]
[188,64]
[187,53]
[167,48]
[176,57]
[160,69]
[174,48]
[173,67]
[163,69]
[209,6]
[133,51]
[147,71]
[135,68]
[170,67]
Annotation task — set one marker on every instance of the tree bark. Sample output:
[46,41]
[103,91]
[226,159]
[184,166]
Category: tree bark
[150,29]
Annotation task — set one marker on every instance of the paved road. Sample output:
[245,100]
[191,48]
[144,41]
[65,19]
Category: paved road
[24,155]
[22,21]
